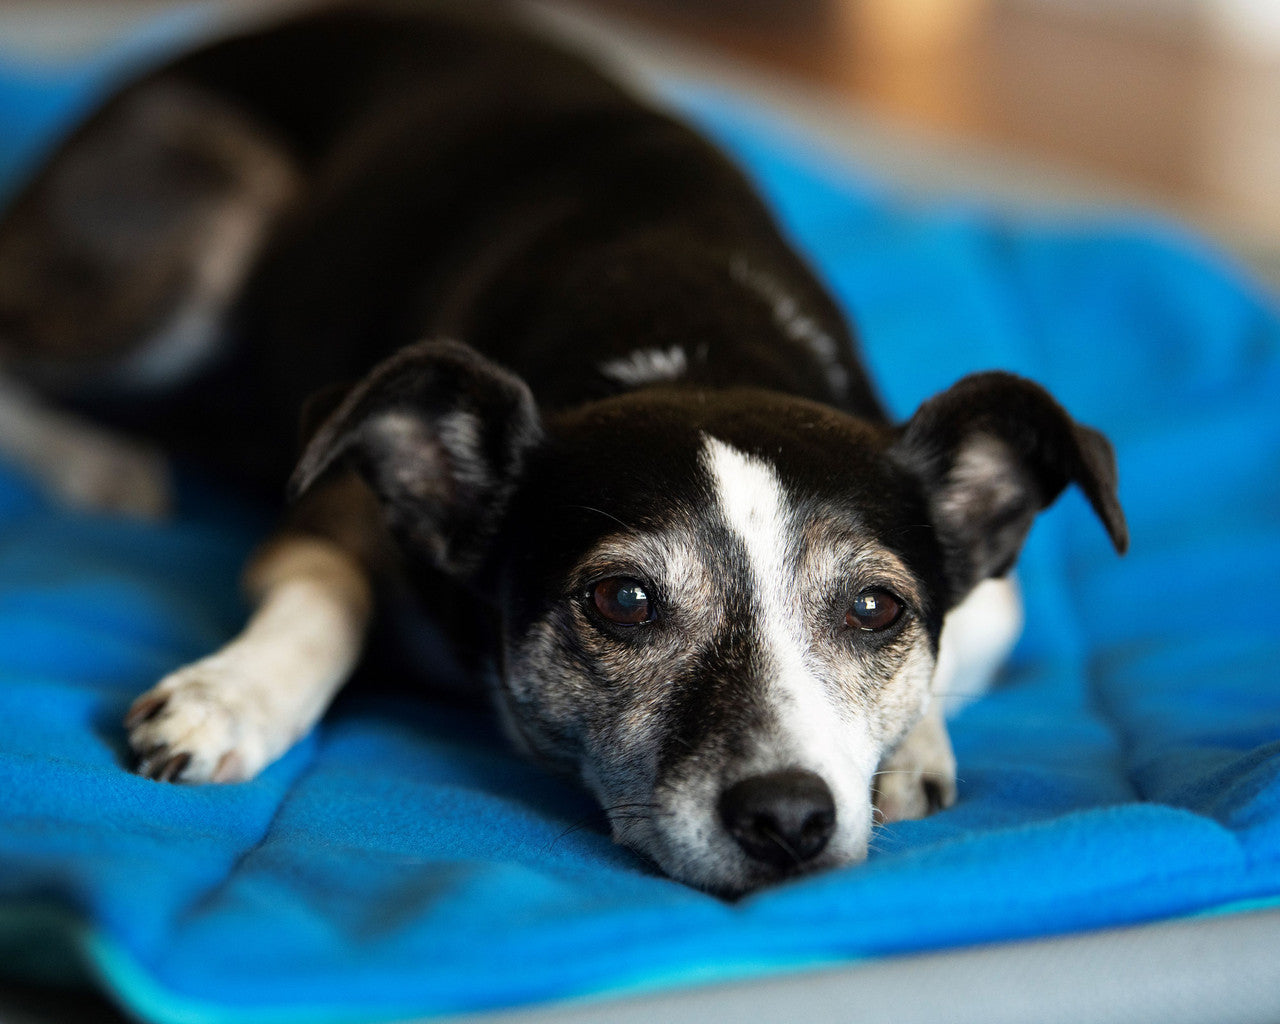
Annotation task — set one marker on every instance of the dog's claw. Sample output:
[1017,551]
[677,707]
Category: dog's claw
[161,764]
[230,768]
[150,761]
[173,768]
[935,796]
[144,709]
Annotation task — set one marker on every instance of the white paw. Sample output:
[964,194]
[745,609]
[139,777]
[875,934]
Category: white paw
[105,474]
[203,723]
[919,777]
[906,794]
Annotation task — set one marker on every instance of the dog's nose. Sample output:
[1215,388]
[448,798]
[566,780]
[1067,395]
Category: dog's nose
[782,819]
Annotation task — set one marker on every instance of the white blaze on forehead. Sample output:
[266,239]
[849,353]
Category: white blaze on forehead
[813,733]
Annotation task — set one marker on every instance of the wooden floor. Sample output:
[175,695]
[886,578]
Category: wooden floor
[1158,106]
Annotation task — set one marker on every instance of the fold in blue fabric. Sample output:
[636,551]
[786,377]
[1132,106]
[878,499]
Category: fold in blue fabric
[401,861]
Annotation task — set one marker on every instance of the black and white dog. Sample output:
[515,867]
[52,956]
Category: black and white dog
[634,468]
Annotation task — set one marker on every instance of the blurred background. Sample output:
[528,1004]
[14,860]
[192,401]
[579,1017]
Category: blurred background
[1180,98]
[1168,105]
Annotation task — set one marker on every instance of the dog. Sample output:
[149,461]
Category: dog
[564,389]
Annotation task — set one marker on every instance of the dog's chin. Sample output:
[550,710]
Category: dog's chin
[755,878]
[746,877]
[716,866]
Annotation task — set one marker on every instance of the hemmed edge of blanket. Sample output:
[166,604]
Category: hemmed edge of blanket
[52,945]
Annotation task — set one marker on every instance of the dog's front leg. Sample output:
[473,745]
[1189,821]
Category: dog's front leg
[919,777]
[225,717]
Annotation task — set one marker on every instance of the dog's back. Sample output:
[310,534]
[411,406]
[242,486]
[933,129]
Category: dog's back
[289,206]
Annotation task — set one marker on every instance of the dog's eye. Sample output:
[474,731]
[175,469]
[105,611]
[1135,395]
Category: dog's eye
[873,610]
[623,601]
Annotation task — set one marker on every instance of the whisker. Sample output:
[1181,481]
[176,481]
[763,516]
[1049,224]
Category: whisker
[577,826]
[639,811]
[607,515]
[646,806]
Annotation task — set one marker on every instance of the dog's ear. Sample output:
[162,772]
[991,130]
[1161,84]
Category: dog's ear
[991,452]
[440,434]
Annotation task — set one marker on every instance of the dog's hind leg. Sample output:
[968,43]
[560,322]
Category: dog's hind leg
[120,262]
[78,462]
[225,717]
[121,258]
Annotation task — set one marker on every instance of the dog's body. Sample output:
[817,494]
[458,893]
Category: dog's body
[710,576]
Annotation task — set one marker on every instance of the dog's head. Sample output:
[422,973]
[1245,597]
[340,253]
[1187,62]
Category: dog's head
[719,609]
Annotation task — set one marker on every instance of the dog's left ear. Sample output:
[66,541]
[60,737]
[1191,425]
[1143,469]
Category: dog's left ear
[440,434]
[991,452]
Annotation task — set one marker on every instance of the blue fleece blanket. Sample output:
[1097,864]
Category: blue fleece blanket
[402,862]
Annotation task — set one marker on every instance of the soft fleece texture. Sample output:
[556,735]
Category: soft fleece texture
[401,861]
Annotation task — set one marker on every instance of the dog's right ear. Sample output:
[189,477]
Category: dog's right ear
[440,434]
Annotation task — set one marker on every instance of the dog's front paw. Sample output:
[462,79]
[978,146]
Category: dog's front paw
[919,777]
[200,724]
